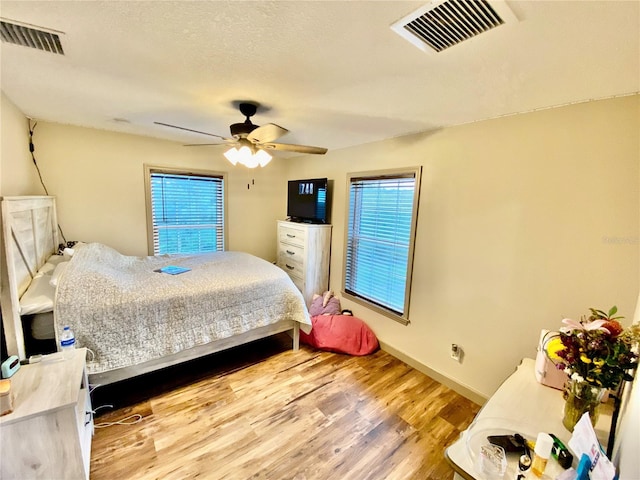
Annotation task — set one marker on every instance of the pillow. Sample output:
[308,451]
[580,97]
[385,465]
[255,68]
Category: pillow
[39,296]
[342,334]
[326,304]
[46,269]
[55,259]
[49,266]
[55,276]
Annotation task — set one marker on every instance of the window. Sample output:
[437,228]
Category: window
[185,211]
[382,215]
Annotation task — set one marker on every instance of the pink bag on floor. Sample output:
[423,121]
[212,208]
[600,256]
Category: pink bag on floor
[342,334]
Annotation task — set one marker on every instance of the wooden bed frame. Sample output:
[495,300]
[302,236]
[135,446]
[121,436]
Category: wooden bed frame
[116,375]
[30,236]
[30,232]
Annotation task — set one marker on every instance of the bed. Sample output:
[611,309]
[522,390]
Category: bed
[134,318]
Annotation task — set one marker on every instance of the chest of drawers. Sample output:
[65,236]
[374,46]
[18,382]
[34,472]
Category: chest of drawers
[304,253]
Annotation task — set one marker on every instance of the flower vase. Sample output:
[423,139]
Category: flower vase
[581,397]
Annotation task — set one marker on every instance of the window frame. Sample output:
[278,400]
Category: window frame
[381,174]
[151,169]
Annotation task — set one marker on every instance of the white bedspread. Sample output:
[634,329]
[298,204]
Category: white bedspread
[128,314]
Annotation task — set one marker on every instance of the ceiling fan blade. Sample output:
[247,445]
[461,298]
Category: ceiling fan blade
[195,131]
[288,147]
[267,133]
[202,144]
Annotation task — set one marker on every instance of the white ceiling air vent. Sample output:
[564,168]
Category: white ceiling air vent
[30,36]
[444,23]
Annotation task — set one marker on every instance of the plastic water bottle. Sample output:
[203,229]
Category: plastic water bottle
[67,342]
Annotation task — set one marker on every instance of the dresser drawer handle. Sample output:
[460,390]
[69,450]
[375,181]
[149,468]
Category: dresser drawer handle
[87,415]
[290,252]
[290,236]
[289,266]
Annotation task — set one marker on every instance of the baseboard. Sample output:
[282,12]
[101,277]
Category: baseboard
[463,390]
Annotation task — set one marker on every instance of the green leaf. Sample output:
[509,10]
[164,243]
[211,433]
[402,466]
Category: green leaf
[598,313]
[612,311]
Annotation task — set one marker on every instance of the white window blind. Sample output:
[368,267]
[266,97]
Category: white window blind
[187,213]
[380,239]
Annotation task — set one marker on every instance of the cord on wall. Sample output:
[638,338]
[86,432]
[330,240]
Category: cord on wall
[32,149]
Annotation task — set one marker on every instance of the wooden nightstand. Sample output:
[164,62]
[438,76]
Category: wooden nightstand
[48,434]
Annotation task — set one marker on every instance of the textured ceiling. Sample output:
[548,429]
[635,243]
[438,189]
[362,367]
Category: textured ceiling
[332,72]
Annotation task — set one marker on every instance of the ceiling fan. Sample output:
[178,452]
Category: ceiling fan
[250,142]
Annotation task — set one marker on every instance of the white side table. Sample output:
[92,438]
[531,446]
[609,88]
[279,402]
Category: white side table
[48,434]
[524,406]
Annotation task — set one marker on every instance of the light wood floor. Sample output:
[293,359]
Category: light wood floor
[280,414]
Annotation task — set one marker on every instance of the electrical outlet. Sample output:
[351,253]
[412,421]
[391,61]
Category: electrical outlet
[456,352]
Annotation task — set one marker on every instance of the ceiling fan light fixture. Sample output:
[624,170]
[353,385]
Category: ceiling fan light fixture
[250,161]
[232,155]
[245,156]
[263,157]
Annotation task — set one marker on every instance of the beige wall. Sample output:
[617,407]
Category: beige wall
[522,220]
[98,180]
[17,173]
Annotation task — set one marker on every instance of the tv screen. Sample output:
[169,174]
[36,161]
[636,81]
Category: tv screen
[307,200]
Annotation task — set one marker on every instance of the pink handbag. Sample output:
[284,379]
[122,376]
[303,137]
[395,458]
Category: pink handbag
[546,371]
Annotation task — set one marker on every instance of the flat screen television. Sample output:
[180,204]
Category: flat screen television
[307,200]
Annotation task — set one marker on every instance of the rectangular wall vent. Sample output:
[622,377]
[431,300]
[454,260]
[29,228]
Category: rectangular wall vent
[28,36]
[441,24]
